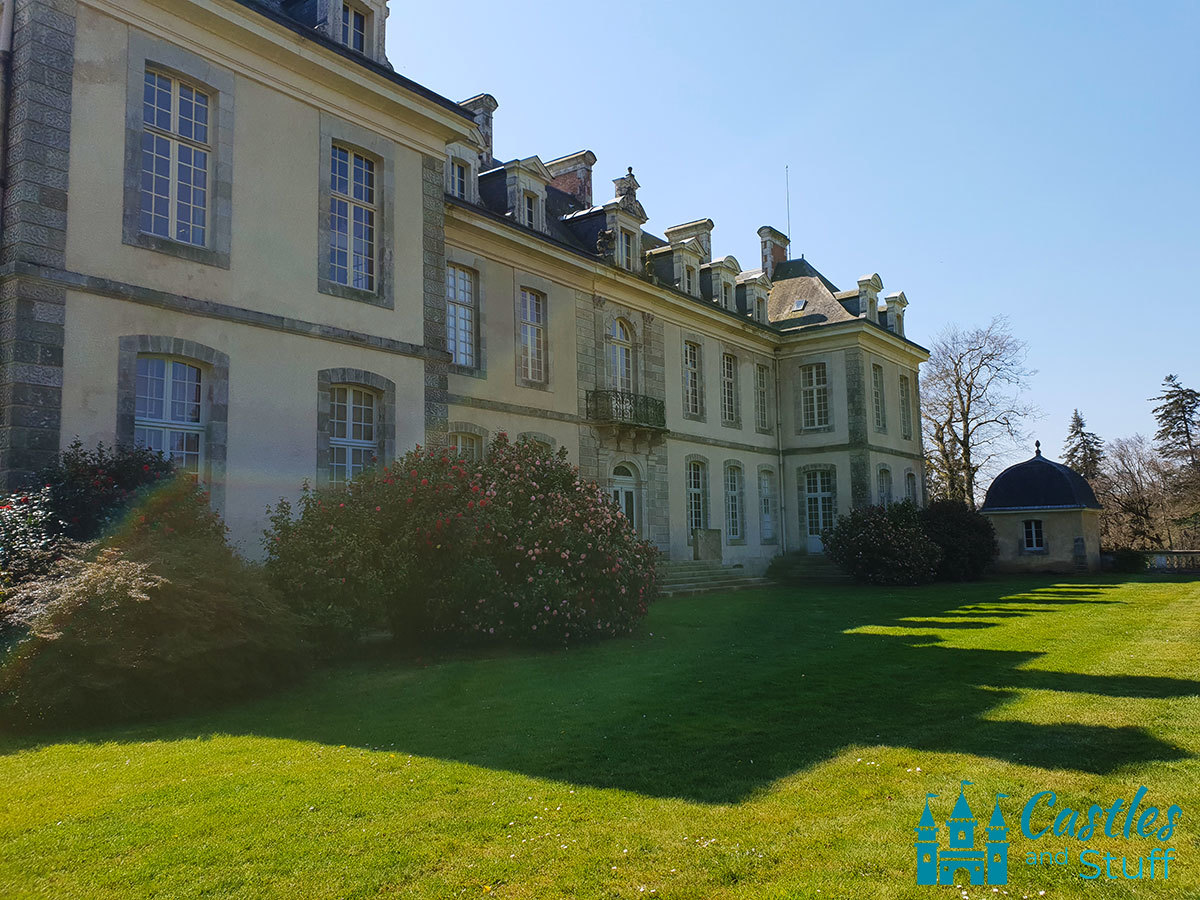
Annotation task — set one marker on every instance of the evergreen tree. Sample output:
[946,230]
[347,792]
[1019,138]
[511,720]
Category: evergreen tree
[1083,450]
[1178,416]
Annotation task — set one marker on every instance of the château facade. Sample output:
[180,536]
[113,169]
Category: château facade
[232,232]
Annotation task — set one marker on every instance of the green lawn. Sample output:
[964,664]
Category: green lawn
[768,744]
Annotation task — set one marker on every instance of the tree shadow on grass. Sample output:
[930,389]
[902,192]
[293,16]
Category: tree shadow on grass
[727,695]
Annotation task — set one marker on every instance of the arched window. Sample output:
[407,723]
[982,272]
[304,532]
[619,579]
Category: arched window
[169,413]
[910,488]
[766,502]
[353,445]
[697,495]
[625,492]
[734,526]
[885,486]
[620,356]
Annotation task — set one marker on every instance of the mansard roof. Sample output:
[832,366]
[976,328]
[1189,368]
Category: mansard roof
[803,296]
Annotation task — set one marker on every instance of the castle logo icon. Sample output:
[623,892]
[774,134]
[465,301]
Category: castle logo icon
[939,865]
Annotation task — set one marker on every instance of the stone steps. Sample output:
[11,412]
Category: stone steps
[677,578]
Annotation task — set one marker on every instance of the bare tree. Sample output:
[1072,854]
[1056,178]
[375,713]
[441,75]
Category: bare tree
[972,404]
[1134,491]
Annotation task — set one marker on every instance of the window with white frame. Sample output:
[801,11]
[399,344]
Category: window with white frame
[353,445]
[762,397]
[176,149]
[458,179]
[726,295]
[729,388]
[910,488]
[697,496]
[733,504]
[877,395]
[814,396]
[766,506]
[760,310]
[352,210]
[620,356]
[169,410]
[689,279]
[531,204]
[354,28]
[885,486]
[466,445]
[820,499]
[628,259]
[532,351]
[906,416]
[460,316]
[1034,539]
[691,378]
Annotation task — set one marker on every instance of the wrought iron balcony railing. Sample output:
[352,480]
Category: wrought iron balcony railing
[626,409]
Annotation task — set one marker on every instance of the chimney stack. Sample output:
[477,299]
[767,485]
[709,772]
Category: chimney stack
[482,106]
[573,174]
[774,249]
[701,230]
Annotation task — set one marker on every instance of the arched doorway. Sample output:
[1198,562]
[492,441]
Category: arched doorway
[625,493]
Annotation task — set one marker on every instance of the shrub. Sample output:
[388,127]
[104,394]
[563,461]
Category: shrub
[883,545]
[90,489]
[161,617]
[516,547]
[1129,561]
[966,538]
[29,545]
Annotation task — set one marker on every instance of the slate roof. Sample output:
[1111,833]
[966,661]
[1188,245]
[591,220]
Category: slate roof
[1039,483]
[795,280]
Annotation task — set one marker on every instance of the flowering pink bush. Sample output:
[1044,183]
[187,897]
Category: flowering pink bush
[516,547]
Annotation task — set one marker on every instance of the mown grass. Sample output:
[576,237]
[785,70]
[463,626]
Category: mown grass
[769,744]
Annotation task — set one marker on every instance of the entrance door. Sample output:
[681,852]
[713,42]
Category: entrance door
[624,493]
[818,486]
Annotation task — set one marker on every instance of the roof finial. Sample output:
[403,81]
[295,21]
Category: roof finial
[1037,447]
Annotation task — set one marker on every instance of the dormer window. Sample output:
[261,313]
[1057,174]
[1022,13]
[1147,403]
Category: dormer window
[760,310]
[531,210]
[726,296]
[354,28]
[458,180]
[689,279]
[627,253]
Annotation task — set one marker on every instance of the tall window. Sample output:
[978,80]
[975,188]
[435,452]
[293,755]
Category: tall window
[689,279]
[531,210]
[760,310]
[352,443]
[820,499]
[460,315]
[1034,539]
[726,296]
[762,397]
[877,393]
[467,445]
[729,410]
[458,179]
[532,351]
[766,506]
[627,256]
[814,396]
[697,496]
[175,159]
[885,487]
[169,414]
[906,417]
[352,219]
[620,356]
[733,503]
[354,28]
[910,488]
[691,378]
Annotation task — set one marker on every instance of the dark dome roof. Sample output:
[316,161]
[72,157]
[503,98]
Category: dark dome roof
[1039,483]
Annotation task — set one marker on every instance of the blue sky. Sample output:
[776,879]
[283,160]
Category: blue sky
[1033,159]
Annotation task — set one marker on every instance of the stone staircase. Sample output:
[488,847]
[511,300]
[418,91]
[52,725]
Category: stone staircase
[814,568]
[676,578]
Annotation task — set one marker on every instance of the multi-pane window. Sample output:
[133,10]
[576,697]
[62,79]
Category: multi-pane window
[460,315]
[689,279]
[531,210]
[175,159]
[352,442]
[729,391]
[726,296]
[877,396]
[733,503]
[820,499]
[814,396]
[458,179]
[697,495]
[1034,539]
[627,255]
[906,416]
[532,359]
[169,412]
[352,212]
[910,488]
[620,356]
[762,397]
[766,505]
[760,310]
[354,28]
[468,445]
[691,378]
[885,487]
